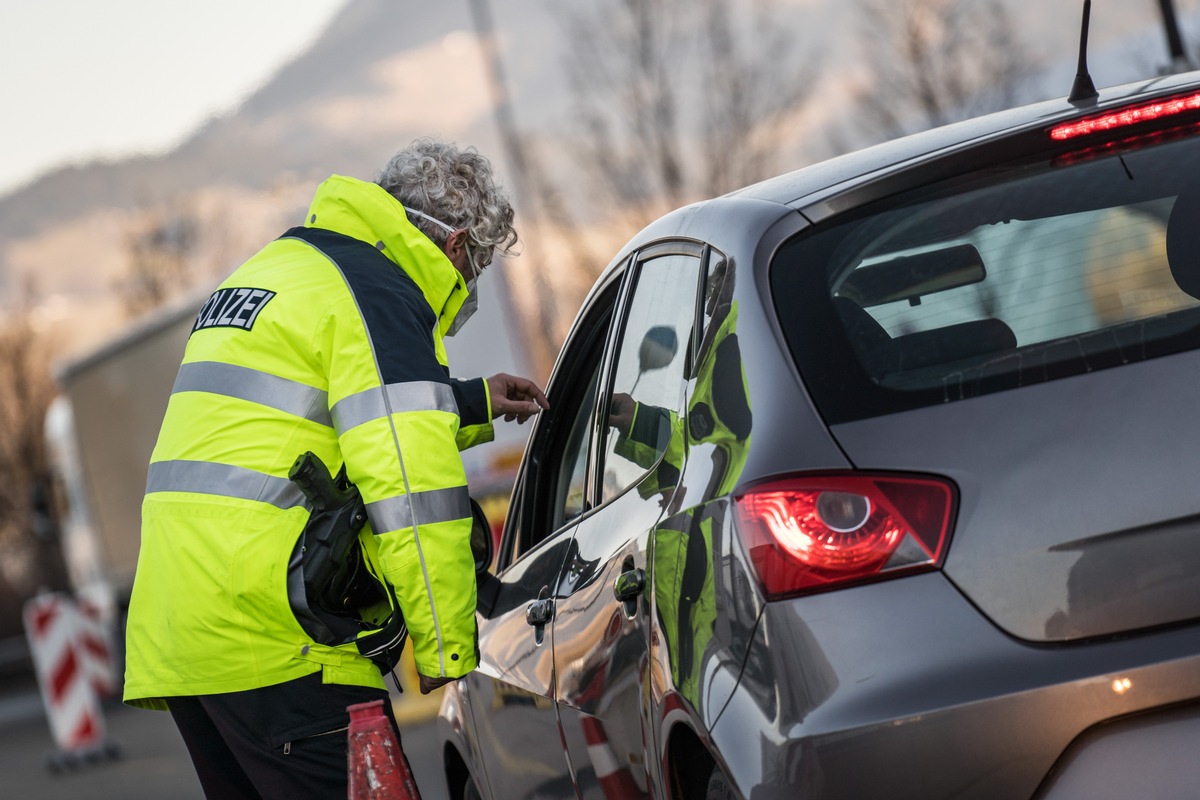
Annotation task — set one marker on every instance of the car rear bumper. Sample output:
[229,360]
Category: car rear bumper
[903,689]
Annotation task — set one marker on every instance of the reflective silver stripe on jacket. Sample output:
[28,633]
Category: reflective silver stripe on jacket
[438,505]
[225,480]
[354,410]
[244,383]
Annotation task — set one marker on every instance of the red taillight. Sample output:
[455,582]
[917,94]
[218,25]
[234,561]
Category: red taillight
[814,532]
[1127,144]
[1126,117]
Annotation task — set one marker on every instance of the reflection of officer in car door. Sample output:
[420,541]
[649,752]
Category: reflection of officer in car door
[718,414]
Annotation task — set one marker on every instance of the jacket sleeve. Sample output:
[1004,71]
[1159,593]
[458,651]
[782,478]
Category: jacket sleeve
[397,419]
[654,432]
[474,402]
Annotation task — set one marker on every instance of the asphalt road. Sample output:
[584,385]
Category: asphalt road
[154,763]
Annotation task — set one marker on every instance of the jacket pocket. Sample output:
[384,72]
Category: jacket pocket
[325,726]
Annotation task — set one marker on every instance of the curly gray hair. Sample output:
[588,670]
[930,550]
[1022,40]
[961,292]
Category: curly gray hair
[456,187]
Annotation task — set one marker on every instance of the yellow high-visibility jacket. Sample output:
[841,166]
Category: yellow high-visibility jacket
[330,340]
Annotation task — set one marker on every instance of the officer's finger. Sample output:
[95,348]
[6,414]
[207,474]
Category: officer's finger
[515,388]
[520,411]
[521,407]
[526,389]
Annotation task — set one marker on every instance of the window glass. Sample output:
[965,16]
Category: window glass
[648,381]
[572,478]
[1054,277]
[718,289]
[552,488]
[996,281]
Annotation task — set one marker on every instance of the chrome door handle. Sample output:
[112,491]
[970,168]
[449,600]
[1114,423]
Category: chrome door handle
[629,584]
[540,611]
[628,587]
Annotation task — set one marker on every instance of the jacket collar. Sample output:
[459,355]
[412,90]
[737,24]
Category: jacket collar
[365,211]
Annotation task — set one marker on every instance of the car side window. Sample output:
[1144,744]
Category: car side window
[647,387]
[571,496]
[551,490]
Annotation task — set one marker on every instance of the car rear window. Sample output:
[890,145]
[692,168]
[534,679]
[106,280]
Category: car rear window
[1016,275]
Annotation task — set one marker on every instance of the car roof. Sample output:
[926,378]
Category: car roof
[805,188]
[825,189]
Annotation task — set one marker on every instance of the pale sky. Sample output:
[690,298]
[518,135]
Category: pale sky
[81,79]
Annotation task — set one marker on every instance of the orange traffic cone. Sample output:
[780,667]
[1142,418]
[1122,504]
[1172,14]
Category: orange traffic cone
[378,769]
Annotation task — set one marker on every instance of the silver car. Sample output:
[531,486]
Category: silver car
[872,480]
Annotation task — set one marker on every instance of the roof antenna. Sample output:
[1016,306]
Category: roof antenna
[1083,91]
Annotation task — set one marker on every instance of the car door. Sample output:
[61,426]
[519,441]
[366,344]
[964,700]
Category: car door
[601,629]
[511,694]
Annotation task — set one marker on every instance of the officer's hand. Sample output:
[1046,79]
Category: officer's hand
[515,398]
[429,684]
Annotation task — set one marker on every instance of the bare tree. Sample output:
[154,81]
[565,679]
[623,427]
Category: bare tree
[675,100]
[757,77]
[670,101]
[932,62]
[27,526]
[160,258]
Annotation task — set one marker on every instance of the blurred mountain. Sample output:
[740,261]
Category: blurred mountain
[335,107]
[379,76]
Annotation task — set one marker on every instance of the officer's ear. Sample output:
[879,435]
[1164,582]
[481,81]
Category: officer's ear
[455,248]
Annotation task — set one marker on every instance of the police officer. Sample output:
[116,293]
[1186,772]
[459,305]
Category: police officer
[327,340]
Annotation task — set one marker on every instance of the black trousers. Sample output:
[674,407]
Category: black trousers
[284,741]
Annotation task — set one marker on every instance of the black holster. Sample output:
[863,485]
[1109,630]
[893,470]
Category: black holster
[329,564]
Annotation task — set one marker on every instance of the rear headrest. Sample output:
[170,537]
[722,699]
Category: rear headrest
[882,355]
[1183,241]
[870,341]
[978,337]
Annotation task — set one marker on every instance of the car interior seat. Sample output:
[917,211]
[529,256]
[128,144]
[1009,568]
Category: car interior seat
[978,337]
[871,343]
[881,355]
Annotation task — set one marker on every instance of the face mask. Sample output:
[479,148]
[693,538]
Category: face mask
[465,311]
[471,304]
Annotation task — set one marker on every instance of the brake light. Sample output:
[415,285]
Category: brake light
[1126,117]
[1127,144]
[811,533]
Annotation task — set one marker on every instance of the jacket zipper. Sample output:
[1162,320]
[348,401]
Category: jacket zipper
[287,746]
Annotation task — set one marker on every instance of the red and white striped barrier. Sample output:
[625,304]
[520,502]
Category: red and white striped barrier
[95,645]
[616,782]
[71,658]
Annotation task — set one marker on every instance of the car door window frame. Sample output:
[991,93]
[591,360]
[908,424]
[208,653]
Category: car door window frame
[530,506]
[692,248]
